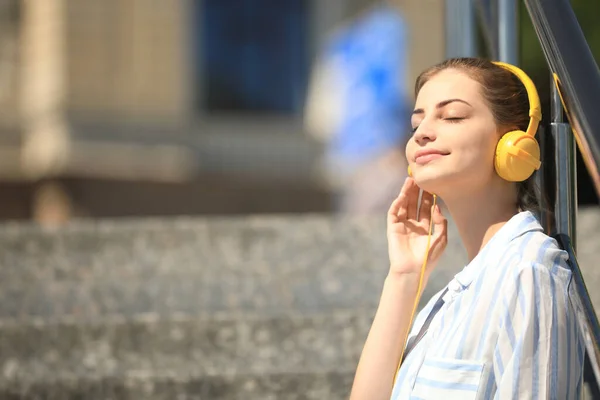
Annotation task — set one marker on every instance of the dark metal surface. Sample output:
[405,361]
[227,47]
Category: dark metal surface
[460,29]
[585,312]
[576,80]
[508,32]
[565,198]
[487,13]
[576,74]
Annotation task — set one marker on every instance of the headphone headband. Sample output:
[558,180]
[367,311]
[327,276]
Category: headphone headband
[535,108]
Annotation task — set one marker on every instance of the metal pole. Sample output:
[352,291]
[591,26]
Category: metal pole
[508,32]
[546,184]
[460,29]
[565,206]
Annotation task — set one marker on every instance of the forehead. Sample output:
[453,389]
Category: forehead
[448,84]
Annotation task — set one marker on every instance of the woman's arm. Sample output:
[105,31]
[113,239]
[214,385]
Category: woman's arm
[408,246]
[381,353]
[540,352]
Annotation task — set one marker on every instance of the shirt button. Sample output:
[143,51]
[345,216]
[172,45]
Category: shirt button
[454,286]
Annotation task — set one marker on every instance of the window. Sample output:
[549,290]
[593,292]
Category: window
[252,55]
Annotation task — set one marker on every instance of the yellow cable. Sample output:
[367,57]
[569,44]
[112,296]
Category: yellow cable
[421,275]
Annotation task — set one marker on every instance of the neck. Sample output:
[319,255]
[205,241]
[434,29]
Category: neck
[480,214]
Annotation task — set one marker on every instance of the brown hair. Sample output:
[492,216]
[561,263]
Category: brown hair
[508,101]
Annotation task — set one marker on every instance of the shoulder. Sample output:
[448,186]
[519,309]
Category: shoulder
[536,250]
[538,262]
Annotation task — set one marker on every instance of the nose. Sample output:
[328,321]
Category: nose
[424,134]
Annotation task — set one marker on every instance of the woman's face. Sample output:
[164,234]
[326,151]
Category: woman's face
[454,137]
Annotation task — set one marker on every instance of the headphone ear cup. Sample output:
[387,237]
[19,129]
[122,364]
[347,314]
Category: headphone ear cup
[517,156]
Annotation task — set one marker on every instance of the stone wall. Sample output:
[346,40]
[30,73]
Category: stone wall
[128,59]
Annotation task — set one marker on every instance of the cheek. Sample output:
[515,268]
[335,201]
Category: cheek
[407,149]
[478,152]
[410,149]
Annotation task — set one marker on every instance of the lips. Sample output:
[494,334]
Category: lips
[424,156]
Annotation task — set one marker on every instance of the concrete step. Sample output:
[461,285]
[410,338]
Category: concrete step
[197,266]
[218,308]
[216,345]
[206,247]
[227,357]
[188,294]
[272,251]
[185,385]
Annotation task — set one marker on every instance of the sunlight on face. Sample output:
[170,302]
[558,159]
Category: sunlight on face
[455,135]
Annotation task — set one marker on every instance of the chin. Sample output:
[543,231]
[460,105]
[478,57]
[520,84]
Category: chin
[433,180]
[434,186]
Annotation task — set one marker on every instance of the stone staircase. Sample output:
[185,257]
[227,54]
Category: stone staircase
[199,308]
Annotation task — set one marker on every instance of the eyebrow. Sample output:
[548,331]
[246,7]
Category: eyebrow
[442,104]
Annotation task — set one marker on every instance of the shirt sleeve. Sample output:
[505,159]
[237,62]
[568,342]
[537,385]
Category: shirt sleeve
[539,353]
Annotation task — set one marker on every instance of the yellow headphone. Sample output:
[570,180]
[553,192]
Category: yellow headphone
[517,156]
[517,152]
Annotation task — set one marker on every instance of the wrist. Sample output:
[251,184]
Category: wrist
[408,278]
[405,268]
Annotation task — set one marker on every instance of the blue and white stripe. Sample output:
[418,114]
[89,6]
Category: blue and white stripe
[507,329]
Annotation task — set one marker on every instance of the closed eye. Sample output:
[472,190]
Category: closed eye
[452,120]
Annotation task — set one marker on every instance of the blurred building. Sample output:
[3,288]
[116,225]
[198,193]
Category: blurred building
[141,107]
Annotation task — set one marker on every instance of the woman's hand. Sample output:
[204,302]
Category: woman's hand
[408,228]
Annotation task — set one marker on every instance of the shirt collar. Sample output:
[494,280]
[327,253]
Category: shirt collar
[518,225]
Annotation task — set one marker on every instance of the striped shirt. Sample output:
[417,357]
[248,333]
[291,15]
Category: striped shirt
[506,330]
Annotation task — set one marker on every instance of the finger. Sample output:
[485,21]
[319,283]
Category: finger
[440,223]
[438,217]
[406,185]
[440,236]
[441,230]
[398,206]
[439,244]
[425,210]
[413,200]
[397,210]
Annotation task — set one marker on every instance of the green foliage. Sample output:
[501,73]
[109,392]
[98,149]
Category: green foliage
[532,58]
[531,55]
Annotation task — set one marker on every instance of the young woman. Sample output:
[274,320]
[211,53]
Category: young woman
[504,327]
